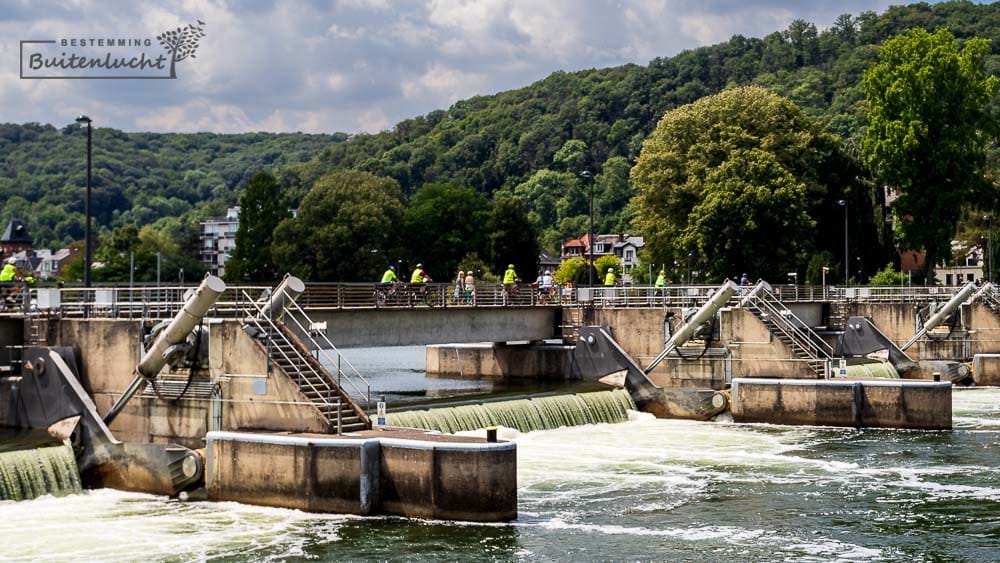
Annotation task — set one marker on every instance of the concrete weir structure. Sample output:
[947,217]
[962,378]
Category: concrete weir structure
[397,471]
[923,405]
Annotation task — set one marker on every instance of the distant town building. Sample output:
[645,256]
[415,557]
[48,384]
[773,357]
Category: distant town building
[967,268]
[218,238]
[623,246]
[15,239]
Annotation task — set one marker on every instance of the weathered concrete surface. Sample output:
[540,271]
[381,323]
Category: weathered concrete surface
[986,369]
[543,362]
[437,478]
[424,325]
[884,404]
[110,350]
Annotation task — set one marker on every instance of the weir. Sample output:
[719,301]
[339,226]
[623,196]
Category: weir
[31,473]
[525,415]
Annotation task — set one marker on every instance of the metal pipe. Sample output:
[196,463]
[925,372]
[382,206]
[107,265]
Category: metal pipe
[273,306]
[200,301]
[935,319]
[683,334]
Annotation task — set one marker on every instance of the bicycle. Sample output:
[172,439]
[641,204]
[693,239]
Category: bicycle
[421,293]
[383,293]
[510,292]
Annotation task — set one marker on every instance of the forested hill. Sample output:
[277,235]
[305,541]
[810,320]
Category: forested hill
[138,178]
[530,142]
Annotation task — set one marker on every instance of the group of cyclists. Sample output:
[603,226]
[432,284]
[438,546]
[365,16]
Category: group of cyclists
[390,286]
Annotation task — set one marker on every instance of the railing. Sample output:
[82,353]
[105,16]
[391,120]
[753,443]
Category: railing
[267,325]
[790,325]
[151,301]
[323,347]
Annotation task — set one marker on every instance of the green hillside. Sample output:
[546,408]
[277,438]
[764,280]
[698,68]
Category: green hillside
[530,142]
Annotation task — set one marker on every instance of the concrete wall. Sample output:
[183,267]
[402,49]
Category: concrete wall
[426,479]
[885,404]
[423,325]
[110,349]
[542,362]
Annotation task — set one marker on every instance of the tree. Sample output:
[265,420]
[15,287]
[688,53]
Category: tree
[344,229]
[262,208]
[929,126]
[512,237]
[447,221]
[732,178]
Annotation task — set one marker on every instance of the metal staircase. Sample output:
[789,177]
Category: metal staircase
[988,296]
[306,368]
[804,343]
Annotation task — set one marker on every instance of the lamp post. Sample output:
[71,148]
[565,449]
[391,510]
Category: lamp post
[847,266]
[690,256]
[825,270]
[586,175]
[87,256]
[989,231]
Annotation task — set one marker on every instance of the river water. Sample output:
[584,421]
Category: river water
[644,489]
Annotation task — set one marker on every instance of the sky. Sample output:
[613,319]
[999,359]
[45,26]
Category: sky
[355,65]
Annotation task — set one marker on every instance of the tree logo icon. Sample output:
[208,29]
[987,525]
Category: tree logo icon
[181,43]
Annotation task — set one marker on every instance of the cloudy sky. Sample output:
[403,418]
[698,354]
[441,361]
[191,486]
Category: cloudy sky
[356,65]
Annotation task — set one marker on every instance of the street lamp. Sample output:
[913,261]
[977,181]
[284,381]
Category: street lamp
[847,266]
[989,227]
[586,175]
[690,256]
[825,270]
[87,256]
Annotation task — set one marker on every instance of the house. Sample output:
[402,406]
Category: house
[547,262]
[15,239]
[969,267]
[627,251]
[51,264]
[218,238]
[623,246]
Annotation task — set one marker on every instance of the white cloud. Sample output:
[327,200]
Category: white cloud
[353,65]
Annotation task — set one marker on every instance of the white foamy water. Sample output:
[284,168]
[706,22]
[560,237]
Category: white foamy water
[645,489]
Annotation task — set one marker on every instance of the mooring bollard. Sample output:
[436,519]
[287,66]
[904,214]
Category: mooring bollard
[491,434]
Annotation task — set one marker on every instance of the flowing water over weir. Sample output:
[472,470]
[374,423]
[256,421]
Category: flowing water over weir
[28,474]
[525,415]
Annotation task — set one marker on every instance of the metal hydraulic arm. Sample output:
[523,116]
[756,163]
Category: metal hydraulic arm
[683,334]
[953,304]
[190,315]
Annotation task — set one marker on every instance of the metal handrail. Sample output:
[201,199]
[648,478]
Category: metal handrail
[255,319]
[294,309]
[799,332]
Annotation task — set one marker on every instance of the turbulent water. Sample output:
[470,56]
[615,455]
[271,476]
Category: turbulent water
[644,489]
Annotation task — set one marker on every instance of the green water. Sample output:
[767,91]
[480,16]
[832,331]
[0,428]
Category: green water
[524,415]
[31,473]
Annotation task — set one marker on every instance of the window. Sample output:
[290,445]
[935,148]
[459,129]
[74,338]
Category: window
[970,277]
[947,279]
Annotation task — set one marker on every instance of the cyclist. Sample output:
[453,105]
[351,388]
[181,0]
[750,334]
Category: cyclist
[389,277]
[609,279]
[545,285]
[510,280]
[419,280]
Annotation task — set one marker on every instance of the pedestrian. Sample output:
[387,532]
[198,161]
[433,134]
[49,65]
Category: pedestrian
[470,288]
[744,281]
[459,286]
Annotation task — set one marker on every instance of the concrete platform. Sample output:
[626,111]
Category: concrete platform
[403,472]
[986,369]
[924,405]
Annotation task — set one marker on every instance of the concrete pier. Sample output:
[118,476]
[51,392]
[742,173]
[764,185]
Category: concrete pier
[543,362]
[986,369]
[404,472]
[887,404]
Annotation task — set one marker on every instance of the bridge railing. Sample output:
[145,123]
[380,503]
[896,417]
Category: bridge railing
[150,301]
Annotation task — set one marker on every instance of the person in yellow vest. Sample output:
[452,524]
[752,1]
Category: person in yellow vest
[7,273]
[510,280]
[419,276]
[609,279]
[661,280]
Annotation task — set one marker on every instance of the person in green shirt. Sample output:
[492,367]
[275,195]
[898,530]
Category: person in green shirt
[8,272]
[389,277]
[510,280]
